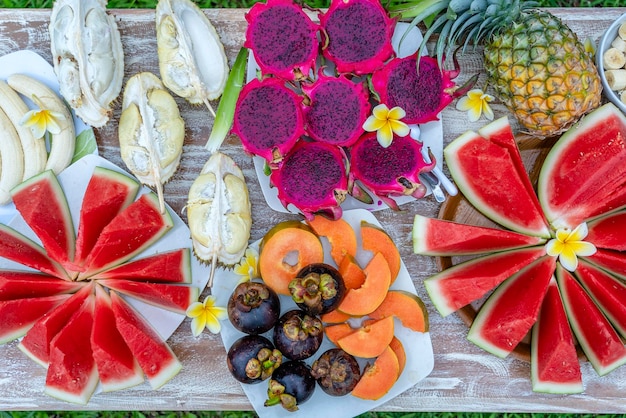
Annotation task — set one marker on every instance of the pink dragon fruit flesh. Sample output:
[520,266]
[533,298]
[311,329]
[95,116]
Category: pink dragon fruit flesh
[422,94]
[335,110]
[268,119]
[391,171]
[357,35]
[282,38]
[313,178]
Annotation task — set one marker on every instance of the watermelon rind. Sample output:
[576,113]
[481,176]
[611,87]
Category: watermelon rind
[597,338]
[554,365]
[506,318]
[466,282]
[439,237]
[169,266]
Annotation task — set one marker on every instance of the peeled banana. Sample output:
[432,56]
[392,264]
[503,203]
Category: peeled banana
[613,59]
[12,158]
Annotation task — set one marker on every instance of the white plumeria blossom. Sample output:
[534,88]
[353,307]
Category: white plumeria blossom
[206,314]
[569,244]
[476,103]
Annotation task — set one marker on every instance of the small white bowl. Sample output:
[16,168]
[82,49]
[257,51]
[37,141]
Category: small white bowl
[604,44]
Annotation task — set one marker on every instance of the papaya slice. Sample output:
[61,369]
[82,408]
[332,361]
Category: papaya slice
[370,340]
[337,331]
[284,250]
[368,297]
[376,240]
[340,236]
[352,274]
[334,317]
[405,306]
[379,377]
[398,348]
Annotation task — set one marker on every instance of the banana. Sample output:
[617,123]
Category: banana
[616,79]
[619,43]
[12,158]
[63,144]
[613,59]
[35,154]
[622,31]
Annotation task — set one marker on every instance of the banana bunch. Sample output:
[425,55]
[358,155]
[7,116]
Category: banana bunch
[22,155]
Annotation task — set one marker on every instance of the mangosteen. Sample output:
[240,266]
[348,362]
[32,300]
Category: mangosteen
[336,371]
[291,385]
[317,288]
[298,335]
[253,307]
[253,358]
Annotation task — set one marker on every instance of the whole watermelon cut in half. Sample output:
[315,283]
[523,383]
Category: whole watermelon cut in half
[17,284]
[584,174]
[590,326]
[554,366]
[506,318]
[170,266]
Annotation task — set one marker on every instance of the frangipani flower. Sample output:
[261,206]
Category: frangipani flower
[42,120]
[476,103]
[386,122]
[248,268]
[568,244]
[206,314]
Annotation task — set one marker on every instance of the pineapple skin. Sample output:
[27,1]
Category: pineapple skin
[542,73]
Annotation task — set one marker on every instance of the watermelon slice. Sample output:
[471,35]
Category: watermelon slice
[19,315]
[439,237]
[36,342]
[72,374]
[15,284]
[173,297]
[612,261]
[171,266]
[478,166]
[608,231]
[156,358]
[142,220]
[16,247]
[554,366]
[584,174]
[41,202]
[464,283]
[108,193]
[506,318]
[608,292]
[117,367]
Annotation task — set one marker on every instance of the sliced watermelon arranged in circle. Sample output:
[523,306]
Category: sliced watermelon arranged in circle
[608,231]
[117,367]
[612,261]
[15,284]
[170,266]
[590,326]
[439,237]
[506,318]
[554,366]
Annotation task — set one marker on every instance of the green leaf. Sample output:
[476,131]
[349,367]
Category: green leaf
[85,144]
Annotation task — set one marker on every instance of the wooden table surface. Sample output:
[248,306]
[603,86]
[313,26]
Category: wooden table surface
[465,378]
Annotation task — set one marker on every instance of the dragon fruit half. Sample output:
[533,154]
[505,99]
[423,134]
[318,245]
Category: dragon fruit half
[422,94]
[358,35]
[391,171]
[336,109]
[283,39]
[268,118]
[313,177]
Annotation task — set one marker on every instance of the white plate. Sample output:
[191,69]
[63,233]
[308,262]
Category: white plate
[33,65]
[431,134]
[419,352]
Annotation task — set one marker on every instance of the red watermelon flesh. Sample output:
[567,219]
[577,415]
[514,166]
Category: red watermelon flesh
[156,358]
[464,283]
[439,237]
[170,266]
[584,174]
[173,297]
[16,247]
[19,315]
[41,202]
[117,367]
[597,338]
[16,284]
[130,232]
[506,317]
[108,193]
[608,292]
[72,374]
[487,176]
[36,342]
[554,366]
[612,261]
[608,231]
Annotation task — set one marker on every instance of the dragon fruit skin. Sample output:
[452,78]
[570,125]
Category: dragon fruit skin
[336,109]
[391,171]
[314,178]
[357,35]
[421,94]
[268,119]
[282,38]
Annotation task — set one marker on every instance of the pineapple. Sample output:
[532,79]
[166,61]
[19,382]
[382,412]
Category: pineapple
[535,63]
